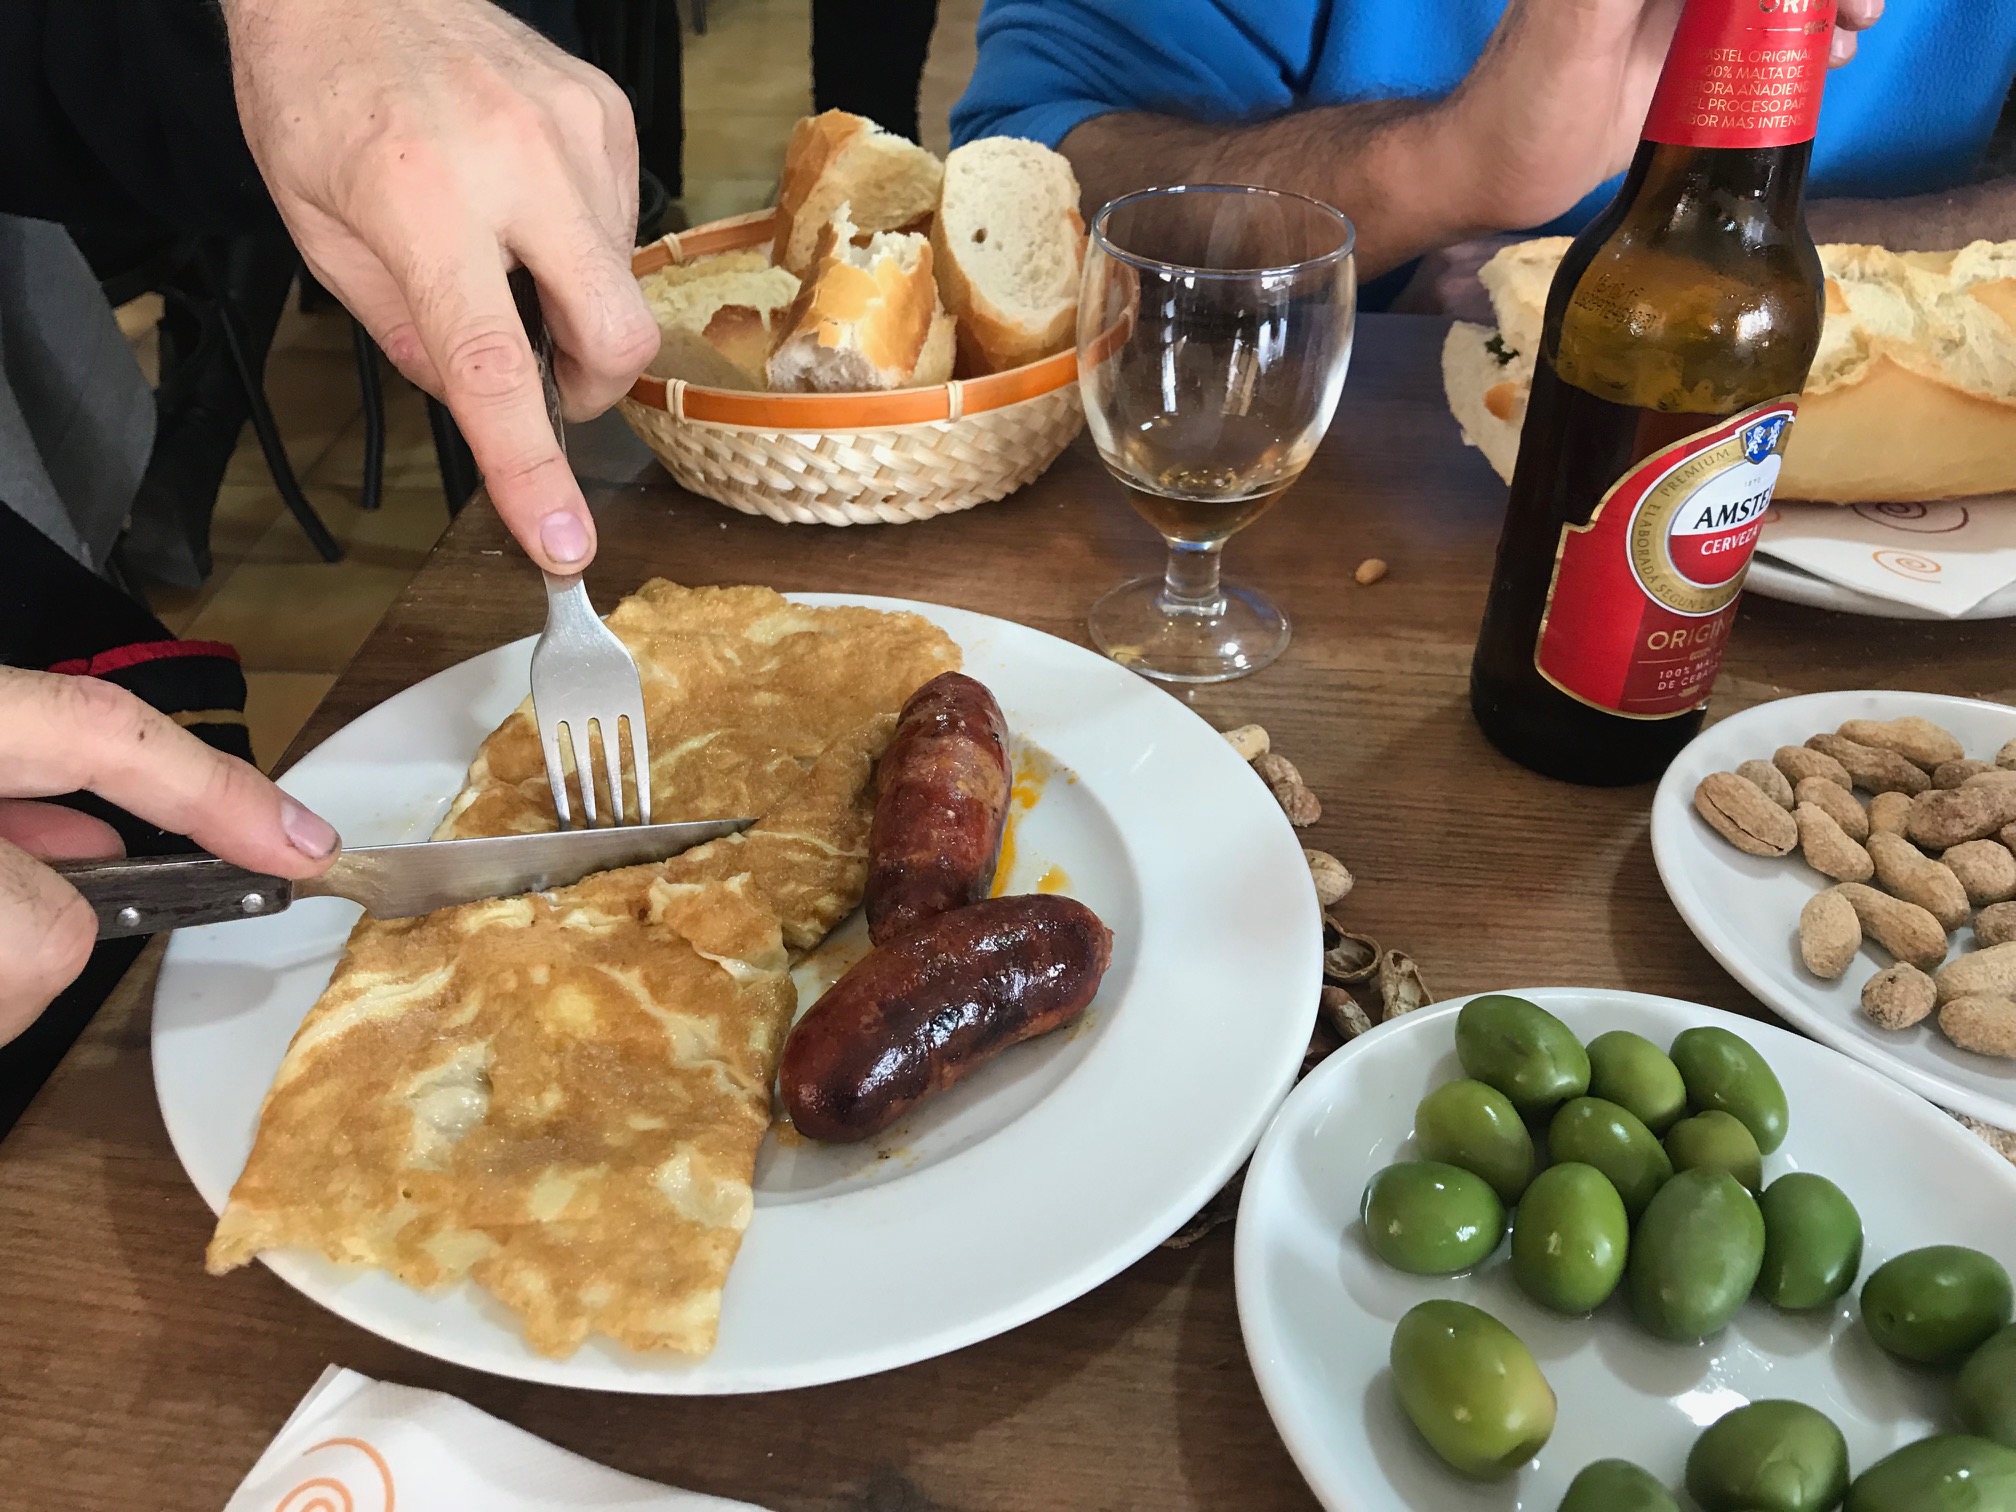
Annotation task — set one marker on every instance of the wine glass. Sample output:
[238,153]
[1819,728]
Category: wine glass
[1214,328]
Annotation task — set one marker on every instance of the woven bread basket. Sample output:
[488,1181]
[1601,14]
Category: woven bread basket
[849,459]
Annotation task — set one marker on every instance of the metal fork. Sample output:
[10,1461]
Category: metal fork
[584,680]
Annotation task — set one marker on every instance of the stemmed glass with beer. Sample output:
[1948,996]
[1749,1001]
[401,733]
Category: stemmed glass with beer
[1214,330]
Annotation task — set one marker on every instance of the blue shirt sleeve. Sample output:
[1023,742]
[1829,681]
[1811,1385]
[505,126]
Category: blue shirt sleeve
[1045,66]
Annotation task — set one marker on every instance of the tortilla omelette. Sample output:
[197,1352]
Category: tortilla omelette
[560,1096]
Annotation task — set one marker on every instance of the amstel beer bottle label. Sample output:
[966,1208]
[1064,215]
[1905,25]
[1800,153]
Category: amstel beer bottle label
[1743,73]
[1642,597]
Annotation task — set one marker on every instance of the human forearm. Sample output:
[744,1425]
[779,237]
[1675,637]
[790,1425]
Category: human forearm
[1388,164]
[1920,222]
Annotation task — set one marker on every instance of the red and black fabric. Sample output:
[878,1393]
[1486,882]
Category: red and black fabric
[56,615]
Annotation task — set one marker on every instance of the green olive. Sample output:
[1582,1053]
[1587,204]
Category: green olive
[1769,1457]
[1812,1242]
[1615,1485]
[1725,1072]
[1716,1141]
[1949,1473]
[1603,1135]
[1471,1388]
[1431,1219]
[1469,1124]
[1569,1238]
[1522,1050]
[1632,1072]
[1694,1255]
[1985,1393]
[1935,1305]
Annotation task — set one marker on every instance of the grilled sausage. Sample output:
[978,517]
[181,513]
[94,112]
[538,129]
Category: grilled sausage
[941,805]
[921,1012]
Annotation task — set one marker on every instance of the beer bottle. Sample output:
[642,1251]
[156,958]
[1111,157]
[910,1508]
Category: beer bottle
[1678,332]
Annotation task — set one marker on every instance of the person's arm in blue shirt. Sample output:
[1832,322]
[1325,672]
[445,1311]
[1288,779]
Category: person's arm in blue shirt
[1550,110]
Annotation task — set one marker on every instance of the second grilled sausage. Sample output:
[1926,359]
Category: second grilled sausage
[921,1012]
[941,806]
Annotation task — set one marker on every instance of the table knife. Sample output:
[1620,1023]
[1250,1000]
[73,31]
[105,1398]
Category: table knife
[134,896]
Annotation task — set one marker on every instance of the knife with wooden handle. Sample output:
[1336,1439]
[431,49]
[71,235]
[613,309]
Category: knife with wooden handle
[135,896]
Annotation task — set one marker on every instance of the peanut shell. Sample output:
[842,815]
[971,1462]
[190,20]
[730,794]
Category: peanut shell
[1944,818]
[1250,741]
[1986,868]
[1333,881]
[1740,813]
[1827,848]
[2006,757]
[1919,741]
[1829,933]
[1889,813]
[1904,871]
[1842,806]
[1798,763]
[1991,972]
[1770,781]
[1995,925]
[1980,1022]
[1873,767]
[1904,929]
[1898,996]
[1951,774]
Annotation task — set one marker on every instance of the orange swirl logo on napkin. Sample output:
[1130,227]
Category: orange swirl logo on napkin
[340,1484]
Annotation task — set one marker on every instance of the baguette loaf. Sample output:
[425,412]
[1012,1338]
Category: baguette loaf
[835,159]
[1911,398]
[717,318]
[1009,244]
[868,318]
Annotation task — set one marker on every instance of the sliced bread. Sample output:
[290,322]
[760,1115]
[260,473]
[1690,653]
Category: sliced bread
[867,318]
[835,159]
[1912,396]
[1010,244]
[718,318]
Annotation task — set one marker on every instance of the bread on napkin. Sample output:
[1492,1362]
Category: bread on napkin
[1912,396]
[1010,245]
[835,159]
[867,318]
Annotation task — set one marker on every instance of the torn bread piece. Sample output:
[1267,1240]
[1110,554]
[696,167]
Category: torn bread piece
[868,317]
[718,318]
[839,159]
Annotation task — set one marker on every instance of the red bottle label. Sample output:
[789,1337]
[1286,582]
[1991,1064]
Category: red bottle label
[1743,73]
[1643,595]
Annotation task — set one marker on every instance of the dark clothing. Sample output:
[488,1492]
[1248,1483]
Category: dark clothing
[868,58]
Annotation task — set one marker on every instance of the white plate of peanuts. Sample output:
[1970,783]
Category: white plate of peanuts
[1847,857]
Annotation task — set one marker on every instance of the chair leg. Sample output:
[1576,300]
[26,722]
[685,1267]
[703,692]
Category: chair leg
[458,466]
[266,429]
[373,395]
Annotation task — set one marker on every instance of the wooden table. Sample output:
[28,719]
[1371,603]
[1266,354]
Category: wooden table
[128,1377]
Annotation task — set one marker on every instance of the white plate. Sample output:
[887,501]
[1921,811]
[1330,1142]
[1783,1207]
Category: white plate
[1318,1309]
[1038,1178]
[1795,585]
[1745,909]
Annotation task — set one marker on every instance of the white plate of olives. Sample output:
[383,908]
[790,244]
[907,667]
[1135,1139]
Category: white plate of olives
[1497,1394]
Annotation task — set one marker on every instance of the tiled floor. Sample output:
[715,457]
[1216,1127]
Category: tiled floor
[296,620]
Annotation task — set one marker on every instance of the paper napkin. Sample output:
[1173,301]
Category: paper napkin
[1945,558]
[367,1446]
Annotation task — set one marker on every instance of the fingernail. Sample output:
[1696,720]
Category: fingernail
[309,832]
[564,537]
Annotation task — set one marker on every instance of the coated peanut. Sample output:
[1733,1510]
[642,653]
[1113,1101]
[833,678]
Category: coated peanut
[1740,812]
[1919,741]
[1770,781]
[1827,848]
[1995,925]
[1842,806]
[1798,763]
[1873,767]
[1991,971]
[1951,774]
[1903,871]
[1986,868]
[1983,1023]
[1904,929]
[1889,813]
[1944,818]
[1829,933]
[1898,996]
